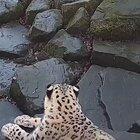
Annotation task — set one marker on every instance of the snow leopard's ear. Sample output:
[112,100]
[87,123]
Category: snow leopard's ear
[49,90]
[76,90]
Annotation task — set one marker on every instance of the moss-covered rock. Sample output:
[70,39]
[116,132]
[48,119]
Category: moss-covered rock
[80,21]
[11,10]
[116,20]
[69,9]
[58,3]
[63,45]
[124,55]
[35,7]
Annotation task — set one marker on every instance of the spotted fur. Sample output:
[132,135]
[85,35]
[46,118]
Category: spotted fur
[63,119]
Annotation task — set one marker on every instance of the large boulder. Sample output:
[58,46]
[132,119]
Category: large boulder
[46,24]
[7,71]
[35,7]
[13,40]
[63,45]
[29,85]
[11,9]
[110,97]
[80,22]
[88,97]
[8,112]
[124,55]
[116,20]
[69,9]
[121,97]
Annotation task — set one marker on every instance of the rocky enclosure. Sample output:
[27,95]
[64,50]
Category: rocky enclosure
[92,43]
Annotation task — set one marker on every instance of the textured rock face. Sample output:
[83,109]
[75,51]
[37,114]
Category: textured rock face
[58,3]
[80,21]
[69,9]
[111,94]
[135,127]
[35,7]
[121,97]
[116,20]
[63,45]
[8,112]
[88,96]
[124,55]
[46,24]
[7,71]
[30,87]
[13,40]
[56,41]
[11,10]
[124,135]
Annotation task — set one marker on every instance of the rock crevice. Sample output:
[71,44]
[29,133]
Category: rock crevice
[101,103]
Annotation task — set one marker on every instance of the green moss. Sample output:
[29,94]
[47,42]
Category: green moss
[114,26]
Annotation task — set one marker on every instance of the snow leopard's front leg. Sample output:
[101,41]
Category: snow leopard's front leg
[27,121]
[14,132]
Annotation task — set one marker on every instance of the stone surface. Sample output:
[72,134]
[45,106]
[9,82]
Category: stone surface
[46,24]
[58,3]
[29,88]
[80,21]
[88,96]
[116,20]
[7,71]
[8,112]
[124,55]
[119,92]
[35,7]
[63,45]
[111,94]
[11,10]
[13,40]
[69,9]
[124,135]
[135,127]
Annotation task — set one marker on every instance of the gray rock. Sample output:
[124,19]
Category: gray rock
[124,135]
[69,9]
[110,97]
[29,88]
[8,112]
[80,21]
[138,122]
[124,55]
[7,71]
[58,3]
[11,10]
[35,7]
[116,20]
[13,40]
[63,45]
[135,127]
[119,93]
[88,96]
[46,24]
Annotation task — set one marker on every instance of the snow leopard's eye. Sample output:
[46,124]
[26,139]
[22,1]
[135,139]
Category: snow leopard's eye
[76,90]
[49,90]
